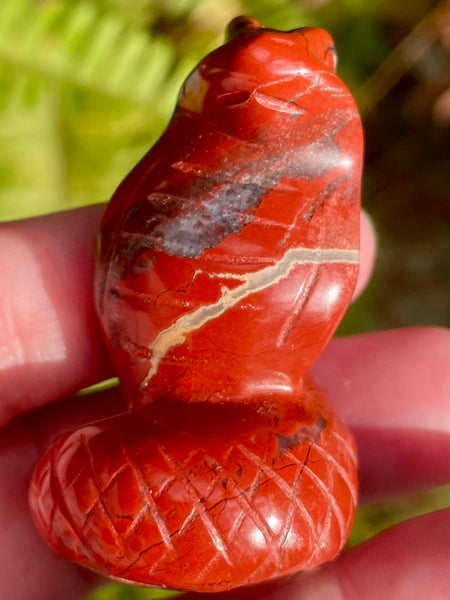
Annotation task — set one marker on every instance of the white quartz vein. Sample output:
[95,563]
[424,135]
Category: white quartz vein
[253,282]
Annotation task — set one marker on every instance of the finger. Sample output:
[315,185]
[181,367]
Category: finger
[404,562]
[29,435]
[30,570]
[20,445]
[392,388]
[367,256]
[394,378]
[50,343]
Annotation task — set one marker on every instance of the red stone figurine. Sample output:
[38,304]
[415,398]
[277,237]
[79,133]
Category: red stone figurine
[227,259]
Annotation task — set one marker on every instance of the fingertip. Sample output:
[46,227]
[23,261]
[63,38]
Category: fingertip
[407,561]
[392,389]
[398,564]
[392,378]
[52,343]
[368,250]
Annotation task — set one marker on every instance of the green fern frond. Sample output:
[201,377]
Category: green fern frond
[76,84]
[75,43]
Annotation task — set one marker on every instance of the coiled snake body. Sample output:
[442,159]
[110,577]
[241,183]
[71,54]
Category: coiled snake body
[227,259]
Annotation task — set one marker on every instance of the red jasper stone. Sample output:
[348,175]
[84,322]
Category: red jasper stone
[201,497]
[227,259]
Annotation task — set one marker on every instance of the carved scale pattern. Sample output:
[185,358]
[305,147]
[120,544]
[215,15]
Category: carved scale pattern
[146,489]
[228,256]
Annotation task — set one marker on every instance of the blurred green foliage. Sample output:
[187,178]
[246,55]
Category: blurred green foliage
[84,91]
[125,592]
[86,86]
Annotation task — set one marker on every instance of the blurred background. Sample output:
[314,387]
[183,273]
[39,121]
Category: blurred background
[87,86]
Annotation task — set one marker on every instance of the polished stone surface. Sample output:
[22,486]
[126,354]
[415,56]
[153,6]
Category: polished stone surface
[227,259]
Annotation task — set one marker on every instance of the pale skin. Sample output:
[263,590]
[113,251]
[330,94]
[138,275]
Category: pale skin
[391,387]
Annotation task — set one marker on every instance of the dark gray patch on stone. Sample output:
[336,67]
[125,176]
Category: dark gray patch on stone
[227,212]
[310,434]
[211,207]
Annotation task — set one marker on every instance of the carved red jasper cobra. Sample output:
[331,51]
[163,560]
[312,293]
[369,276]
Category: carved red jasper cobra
[227,258]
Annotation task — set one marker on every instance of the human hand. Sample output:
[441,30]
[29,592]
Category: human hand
[391,388]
